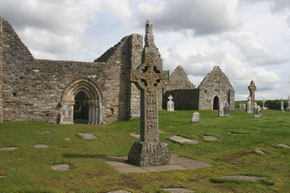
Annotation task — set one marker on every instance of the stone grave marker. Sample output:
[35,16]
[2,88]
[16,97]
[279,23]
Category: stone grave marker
[210,138]
[178,190]
[257,111]
[41,146]
[87,136]
[179,139]
[149,78]
[221,110]
[249,105]
[170,104]
[282,105]
[8,148]
[240,177]
[60,167]
[195,117]
[283,145]
[252,88]
[227,109]
[288,108]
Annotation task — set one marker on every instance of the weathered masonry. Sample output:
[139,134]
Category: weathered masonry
[214,90]
[68,91]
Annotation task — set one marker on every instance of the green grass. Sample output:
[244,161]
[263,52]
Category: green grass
[27,170]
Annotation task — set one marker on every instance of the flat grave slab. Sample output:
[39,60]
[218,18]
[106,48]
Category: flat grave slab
[60,167]
[120,191]
[259,151]
[178,190]
[8,148]
[179,139]
[236,133]
[41,146]
[87,136]
[2,176]
[240,177]
[210,138]
[179,163]
[45,132]
[135,135]
[67,139]
[282,145]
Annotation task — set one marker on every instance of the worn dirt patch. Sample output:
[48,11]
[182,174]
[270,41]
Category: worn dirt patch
[234,156]
[130,182]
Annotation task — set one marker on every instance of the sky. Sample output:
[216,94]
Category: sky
[248,39]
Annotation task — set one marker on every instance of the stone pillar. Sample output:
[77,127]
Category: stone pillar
[67,112]
[93,112]
[149,78]
[252,88]
[221,109]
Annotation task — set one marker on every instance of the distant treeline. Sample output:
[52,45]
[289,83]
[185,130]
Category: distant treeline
[271,104]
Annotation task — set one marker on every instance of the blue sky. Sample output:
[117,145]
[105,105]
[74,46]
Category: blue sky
[248,39]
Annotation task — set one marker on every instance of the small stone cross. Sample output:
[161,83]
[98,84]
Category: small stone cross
[170,97]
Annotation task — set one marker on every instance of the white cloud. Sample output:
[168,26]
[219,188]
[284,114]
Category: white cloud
[54,28]
[254,51]
[199,16]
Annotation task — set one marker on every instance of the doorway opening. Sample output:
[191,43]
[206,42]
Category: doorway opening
[215,103]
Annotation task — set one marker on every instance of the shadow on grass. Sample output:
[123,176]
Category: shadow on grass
[95,156]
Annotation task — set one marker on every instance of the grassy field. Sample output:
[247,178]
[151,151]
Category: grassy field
[28,169]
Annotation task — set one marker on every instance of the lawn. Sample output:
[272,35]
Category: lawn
[28,169]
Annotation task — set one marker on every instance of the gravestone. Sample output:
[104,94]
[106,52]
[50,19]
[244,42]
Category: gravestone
[257,111]
[282,105]
[240,106]
[288,108]
[195,117]
[170,104]
[221,110]
[227,109]
[252,88]
[264,107]
[149,78]
[249,105]
[244,105]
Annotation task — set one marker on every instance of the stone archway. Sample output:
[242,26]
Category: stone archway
[90,95]
[216,103]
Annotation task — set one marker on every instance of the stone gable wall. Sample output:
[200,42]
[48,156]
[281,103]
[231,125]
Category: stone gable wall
[33,88]
[179,80]
[214,84]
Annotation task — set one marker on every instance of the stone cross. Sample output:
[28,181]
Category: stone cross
[170,104]
[221,110]
[252,88]
[149,78]
[282,105]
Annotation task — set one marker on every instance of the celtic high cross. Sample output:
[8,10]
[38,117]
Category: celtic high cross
[149,78]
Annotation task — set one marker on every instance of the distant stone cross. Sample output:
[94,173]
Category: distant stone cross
[149,150]
[252,88]
[170,98]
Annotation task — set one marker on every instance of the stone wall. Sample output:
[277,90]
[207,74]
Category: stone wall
[33,89]
[1,72]
[214,84]
[184,99]
[178,80]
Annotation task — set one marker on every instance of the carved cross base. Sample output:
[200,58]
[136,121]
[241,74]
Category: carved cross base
[149,154]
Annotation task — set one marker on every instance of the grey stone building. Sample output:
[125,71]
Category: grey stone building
[214,89]
[70,91]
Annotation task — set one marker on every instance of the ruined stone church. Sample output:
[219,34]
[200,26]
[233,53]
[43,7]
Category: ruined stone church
[68,92]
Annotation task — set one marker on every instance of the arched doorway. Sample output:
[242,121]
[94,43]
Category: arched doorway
[81,103]
[216,103]
[81,108]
